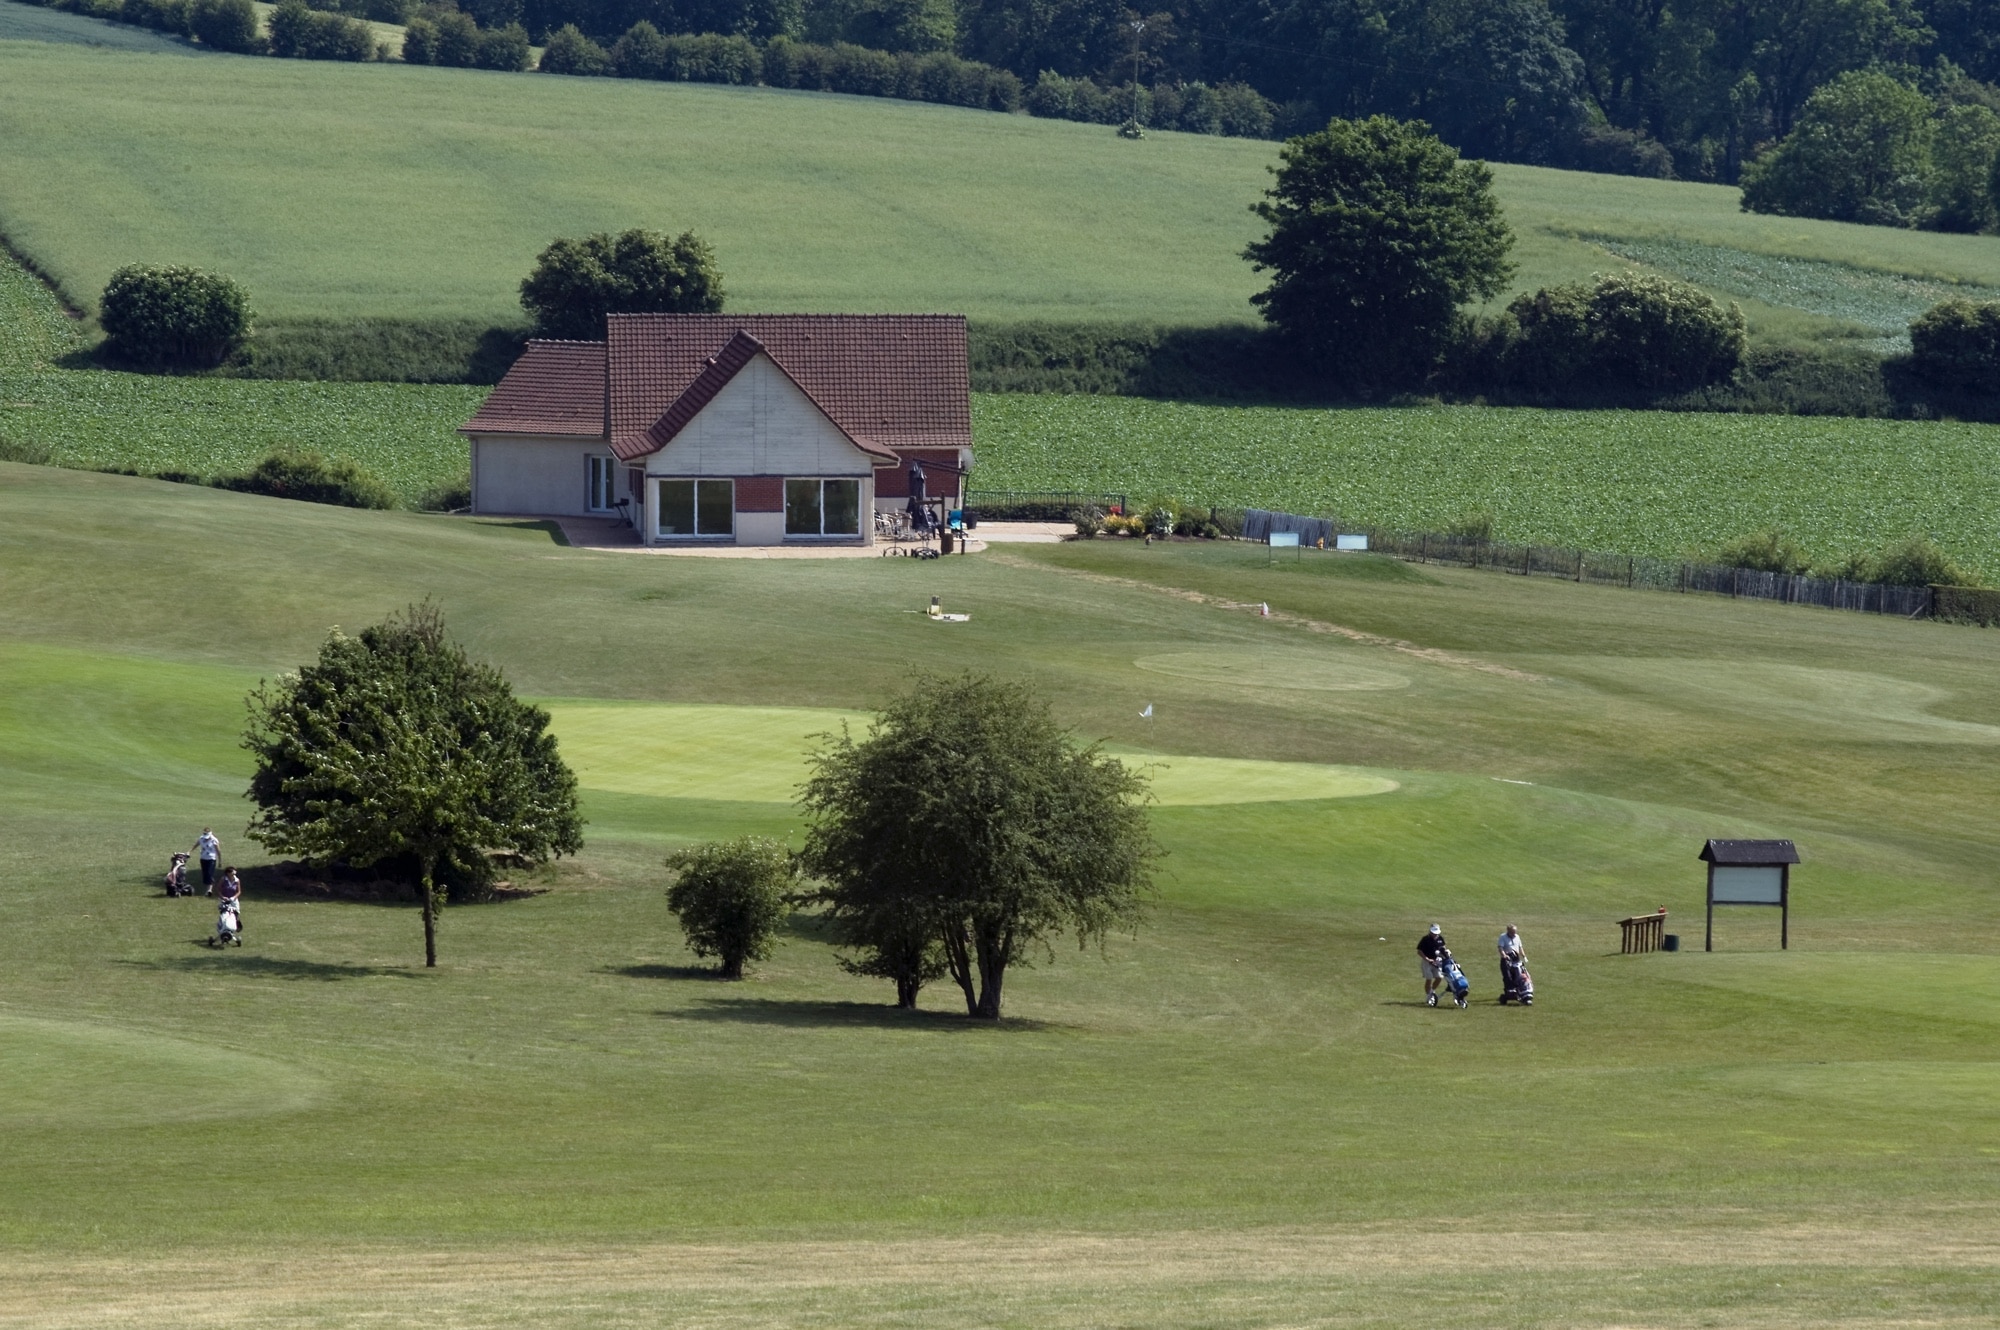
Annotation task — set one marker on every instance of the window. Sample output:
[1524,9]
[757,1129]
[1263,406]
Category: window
[601,497]
[822,507]
[697,508]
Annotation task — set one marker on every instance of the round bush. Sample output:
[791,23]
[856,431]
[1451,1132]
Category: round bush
[1626,331]
[173,317]
[227,25]
[731,898]
[1956,345]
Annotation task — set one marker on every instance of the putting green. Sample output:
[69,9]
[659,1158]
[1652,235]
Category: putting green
[757,755]
[73,1074]
[1870,707]
[1307,671]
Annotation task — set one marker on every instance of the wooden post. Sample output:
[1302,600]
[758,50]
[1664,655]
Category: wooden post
[1708,933]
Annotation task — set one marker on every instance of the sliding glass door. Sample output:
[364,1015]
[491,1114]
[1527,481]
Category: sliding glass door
[697,508]
[822,507]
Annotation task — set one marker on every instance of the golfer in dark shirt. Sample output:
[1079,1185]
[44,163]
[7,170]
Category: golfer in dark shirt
[1430,954]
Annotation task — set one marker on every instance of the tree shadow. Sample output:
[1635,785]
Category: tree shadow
[213,962]
[707,972]
[808,1014]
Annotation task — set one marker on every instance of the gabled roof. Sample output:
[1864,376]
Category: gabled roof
[554,388]
[734,357]
[887,381]
[1751,853]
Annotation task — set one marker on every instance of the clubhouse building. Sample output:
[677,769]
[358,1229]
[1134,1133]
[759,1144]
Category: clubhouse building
[751,429]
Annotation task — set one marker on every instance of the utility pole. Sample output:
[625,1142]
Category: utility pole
[1138,37]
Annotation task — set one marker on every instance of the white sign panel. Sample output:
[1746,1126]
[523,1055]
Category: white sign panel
[1749,886]
[1284,539]
[1350,542]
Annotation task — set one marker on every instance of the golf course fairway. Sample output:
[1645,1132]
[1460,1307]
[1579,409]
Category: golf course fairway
[1239,1113]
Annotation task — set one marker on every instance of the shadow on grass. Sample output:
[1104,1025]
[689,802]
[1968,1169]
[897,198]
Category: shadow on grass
[665,971]
[234,961]
[553,530]
[805,1014]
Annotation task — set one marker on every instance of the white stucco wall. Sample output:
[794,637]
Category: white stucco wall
[534,475]
[760,424]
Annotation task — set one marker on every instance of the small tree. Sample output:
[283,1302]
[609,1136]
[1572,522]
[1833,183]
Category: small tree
[731,898]
[1378,234]
[397,746]
[173,317]
[504,48]
[1860,152]
[570,52]
[577,282]
[968,817]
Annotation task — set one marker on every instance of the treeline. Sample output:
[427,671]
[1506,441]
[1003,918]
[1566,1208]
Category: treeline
[294,31]
[1695,89]
[644,52]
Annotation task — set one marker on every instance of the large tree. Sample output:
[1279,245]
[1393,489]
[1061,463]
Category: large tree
[395,747]
[1860,153]
[576,282]
[971,823]
[1379,233]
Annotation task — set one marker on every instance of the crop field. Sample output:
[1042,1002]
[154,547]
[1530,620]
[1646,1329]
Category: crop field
[1634,482]
[344,191]
[1241,1114]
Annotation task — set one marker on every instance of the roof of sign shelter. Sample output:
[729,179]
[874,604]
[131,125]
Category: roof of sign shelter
[1750,853]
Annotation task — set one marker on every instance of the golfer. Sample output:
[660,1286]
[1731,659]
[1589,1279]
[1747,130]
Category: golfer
[1430,954]
[230,891]
[209,850]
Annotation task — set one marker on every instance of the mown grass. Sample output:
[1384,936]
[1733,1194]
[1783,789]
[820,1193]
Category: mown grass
[342,192]
[1240,1116]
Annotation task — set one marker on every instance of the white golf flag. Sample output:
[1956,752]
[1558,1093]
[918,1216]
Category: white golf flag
[1147,714]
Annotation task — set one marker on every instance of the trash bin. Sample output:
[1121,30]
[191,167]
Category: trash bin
[1671,942]
[944,541]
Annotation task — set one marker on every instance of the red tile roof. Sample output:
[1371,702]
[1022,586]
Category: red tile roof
[717,370]
[888,380]
[554,388]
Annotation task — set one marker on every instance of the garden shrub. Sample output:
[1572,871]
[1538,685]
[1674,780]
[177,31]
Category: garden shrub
[1956,345]
[312,478]
[172,317]
[1626,331]
[300,33]
[227,25]
[1088,521]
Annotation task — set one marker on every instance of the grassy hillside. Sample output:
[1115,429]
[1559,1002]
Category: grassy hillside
[340,191]
[1241,1116]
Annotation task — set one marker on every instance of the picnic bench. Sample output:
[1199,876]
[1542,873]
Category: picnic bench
[1643,932]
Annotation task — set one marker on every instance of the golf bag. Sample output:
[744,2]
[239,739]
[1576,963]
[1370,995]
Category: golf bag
[177,876]
[1454,979]
[1516,984]
[228,925]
